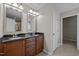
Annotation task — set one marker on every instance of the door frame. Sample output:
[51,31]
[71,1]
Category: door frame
[61,33]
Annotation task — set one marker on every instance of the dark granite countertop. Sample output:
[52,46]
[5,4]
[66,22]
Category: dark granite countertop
[8,38]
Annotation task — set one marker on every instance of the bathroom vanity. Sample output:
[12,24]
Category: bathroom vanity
[28,45]
[19,36]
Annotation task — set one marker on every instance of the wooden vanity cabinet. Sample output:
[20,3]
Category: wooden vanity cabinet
[1,50]
[39,44]
[0,47]
[30,47]
[24,47]
[14,48]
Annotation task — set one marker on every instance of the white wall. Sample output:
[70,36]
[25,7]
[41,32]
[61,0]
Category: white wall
[45,24]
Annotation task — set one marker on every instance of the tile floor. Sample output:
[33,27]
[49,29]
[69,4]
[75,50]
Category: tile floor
[67,49]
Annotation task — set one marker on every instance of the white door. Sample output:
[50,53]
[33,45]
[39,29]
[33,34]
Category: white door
[56,33]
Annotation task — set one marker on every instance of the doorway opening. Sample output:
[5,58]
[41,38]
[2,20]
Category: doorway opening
[70,30]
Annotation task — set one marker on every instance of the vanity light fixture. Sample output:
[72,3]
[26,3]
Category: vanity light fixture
[18,6]
[28,13]
[14,8]
[15,4]
[19,10]
[31,12]
[8,6]
[34,12]
[37,13]
[21,7]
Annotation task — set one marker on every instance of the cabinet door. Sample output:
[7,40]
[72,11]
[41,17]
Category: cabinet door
[39,44]
[30,47]
[0,48]
[15,48]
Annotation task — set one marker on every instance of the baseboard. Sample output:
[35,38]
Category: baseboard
[71,40]
[48,53]
[77,47]
[45,51]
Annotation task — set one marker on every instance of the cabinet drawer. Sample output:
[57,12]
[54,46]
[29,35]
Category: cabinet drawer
[30,46]
[30,43]
[30,40]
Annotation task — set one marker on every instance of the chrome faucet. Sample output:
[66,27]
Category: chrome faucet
[14,35]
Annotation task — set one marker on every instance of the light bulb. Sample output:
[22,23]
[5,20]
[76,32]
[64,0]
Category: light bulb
[21,7]
[15,4]
[34,12]
[31,11]
[28,13]
[37,13]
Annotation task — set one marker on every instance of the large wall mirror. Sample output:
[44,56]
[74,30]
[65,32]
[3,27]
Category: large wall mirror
[31,23]
[12,21]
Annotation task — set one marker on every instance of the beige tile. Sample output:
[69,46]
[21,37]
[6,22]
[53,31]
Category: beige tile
[68,49]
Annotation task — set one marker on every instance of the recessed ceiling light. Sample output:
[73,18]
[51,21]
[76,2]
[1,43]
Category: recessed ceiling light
[33,12]
[28,13]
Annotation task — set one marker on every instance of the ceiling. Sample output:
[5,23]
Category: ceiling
[61,7]
[36,6]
